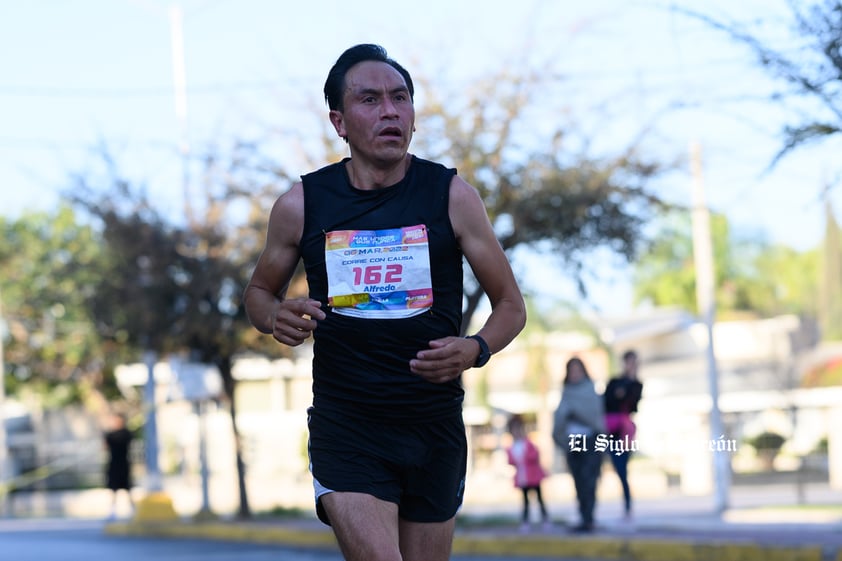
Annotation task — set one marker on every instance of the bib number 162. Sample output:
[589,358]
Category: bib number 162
[378,274]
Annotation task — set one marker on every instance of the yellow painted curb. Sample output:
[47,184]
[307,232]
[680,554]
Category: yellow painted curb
[665,550]
[606,548]
[155,507]
[629,549]
[537,546]
[221,531]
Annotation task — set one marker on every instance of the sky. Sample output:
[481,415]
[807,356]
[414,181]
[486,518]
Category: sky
[78,74]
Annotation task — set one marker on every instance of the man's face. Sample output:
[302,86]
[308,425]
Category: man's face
[631,366]
[378,115]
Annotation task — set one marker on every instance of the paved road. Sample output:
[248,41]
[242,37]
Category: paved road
[80,540]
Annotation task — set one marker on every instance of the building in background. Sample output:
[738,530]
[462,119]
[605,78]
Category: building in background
[762,365]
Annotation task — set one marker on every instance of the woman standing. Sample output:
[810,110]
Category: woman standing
[580,417]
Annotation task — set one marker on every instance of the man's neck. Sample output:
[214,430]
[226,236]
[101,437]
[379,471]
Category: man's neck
[367,177]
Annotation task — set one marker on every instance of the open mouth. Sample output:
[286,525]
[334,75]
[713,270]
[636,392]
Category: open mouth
[391,132]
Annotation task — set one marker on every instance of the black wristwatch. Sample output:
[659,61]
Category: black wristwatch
[484,354]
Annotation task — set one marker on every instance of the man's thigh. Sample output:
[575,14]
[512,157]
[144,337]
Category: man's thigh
[368,529]
[365,526]
[426,541]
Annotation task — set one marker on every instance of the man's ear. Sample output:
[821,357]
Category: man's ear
[338,122]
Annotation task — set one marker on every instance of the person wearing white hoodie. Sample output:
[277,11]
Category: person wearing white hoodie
[579,418]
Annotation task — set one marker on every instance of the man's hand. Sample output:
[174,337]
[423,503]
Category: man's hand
[445,360]
[295,319]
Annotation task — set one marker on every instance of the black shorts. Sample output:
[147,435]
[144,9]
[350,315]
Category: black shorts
[420,467]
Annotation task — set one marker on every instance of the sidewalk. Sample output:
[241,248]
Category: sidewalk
[671,528]
[765,522]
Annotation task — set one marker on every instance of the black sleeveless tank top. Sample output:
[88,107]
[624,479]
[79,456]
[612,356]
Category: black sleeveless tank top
[361,365]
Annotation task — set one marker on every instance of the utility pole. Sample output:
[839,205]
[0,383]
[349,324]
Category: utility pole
[706,303]
[156,505]
[150,433]
[4,490]
[180,89]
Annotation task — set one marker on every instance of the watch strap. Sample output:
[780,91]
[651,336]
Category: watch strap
[484,352]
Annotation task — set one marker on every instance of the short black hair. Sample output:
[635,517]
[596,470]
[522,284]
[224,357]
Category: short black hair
[629,355]
[335,83]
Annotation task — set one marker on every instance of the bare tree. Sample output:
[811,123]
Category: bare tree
[174,288]
[808,63]
[550,193]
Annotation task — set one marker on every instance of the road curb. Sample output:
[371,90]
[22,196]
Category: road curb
[631,549]
[604,548]
[221,531]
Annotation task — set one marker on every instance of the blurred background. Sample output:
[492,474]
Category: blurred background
[665,176]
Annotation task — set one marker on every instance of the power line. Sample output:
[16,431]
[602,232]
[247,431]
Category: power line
[28,90]
[156,91]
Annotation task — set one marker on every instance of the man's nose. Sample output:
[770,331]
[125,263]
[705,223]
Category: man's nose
[388,109]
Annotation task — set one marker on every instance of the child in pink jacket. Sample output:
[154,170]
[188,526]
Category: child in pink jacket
[524,455]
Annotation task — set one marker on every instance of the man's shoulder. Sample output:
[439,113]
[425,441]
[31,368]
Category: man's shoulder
[431,165]
[327,171]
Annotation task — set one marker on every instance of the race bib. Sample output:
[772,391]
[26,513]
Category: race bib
[379,273]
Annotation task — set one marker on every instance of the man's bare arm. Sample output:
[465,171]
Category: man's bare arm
[447,358]
[290,321]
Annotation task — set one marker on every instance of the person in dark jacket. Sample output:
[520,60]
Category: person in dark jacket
[118,472]
[622,395]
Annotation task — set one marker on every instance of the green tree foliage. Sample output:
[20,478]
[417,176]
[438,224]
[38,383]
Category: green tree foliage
[789,279]
[137,300]
[751,276]
[50,264]
[666,274]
